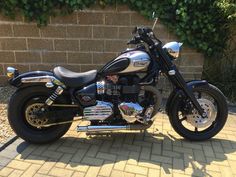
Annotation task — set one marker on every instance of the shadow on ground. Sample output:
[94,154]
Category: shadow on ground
[152,150]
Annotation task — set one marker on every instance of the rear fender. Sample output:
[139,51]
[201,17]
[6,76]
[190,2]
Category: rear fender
[176,92]
[17,81]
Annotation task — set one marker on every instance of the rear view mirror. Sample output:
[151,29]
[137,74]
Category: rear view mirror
[153,15]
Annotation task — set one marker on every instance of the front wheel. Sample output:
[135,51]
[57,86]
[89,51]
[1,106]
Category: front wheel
[23,105]
[186,121]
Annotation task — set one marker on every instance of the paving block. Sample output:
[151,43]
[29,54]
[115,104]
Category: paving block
[20,165]
[6,171]
[136,169]
[60,172]
[31,170]
[106,168]
[92,171]
[106,156]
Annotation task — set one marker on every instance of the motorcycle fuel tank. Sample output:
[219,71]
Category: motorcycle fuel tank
[131,61]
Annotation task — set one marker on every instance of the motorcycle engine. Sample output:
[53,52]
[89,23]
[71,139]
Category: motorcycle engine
[124,93]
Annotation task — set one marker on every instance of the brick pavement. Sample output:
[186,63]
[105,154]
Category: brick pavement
[157,152]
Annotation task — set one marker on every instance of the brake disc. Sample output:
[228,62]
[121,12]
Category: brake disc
[196,120]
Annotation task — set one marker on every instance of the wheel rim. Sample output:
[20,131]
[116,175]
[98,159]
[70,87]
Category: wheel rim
[193,122]
[35,102]
[196,120]
[32,118]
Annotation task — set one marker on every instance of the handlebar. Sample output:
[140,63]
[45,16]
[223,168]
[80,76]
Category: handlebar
[135,40]
[144,34]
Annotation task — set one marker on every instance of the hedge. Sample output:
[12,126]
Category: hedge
[202,24]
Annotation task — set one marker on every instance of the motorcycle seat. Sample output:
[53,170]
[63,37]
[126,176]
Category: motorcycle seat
[74,79]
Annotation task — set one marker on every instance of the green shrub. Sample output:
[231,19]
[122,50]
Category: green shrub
[202,24]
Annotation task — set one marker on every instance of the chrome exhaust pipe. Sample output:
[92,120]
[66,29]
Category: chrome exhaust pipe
[111,128]
[102,128]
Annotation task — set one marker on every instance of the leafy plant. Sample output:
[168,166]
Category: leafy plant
[202,24]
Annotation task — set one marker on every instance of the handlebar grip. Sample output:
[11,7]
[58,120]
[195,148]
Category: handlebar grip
[135,40]
[132,41]
[129,42]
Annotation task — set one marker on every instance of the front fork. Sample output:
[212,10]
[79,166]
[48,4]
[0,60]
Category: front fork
[179,81]
[176,78]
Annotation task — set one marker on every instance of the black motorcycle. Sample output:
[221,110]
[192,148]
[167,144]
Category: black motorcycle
[120,96]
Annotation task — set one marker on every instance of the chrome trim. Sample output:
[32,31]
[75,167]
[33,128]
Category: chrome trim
[11,71]
[49,85]
[173,48]
[42,79]
[100,87]
[38,79]
[65,105]
[102,128]
[171,72]
[101,111]
[130,111]
[54,96]
[99,128]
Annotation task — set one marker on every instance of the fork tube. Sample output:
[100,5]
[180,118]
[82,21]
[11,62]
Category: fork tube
[177,79]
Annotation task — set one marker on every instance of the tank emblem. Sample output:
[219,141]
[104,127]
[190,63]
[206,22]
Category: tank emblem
[141,63]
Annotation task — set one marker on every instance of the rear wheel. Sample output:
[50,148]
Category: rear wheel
[186,121]
[22,107]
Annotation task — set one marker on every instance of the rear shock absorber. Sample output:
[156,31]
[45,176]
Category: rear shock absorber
[54,96]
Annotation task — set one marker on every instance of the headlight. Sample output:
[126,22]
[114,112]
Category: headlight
[173,49]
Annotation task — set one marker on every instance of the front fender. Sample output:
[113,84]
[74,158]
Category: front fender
[177,91]
[16,81]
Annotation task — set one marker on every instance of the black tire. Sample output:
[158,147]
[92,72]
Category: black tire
[16,116]
[212,130]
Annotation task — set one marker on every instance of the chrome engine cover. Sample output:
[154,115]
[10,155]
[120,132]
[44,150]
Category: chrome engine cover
[101,111]
[130,111]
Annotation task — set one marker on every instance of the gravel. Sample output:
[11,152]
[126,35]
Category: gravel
[5,129]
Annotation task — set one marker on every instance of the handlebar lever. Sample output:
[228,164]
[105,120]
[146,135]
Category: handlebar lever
[135,40]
